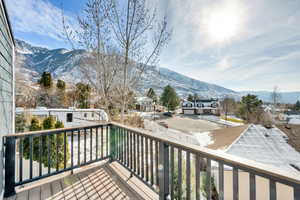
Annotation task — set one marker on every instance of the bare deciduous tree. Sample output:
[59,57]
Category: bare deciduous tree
[228,106]
[121,39]
[99,65]
[139,36]
[275,97]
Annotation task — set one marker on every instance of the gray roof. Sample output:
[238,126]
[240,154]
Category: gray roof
[268,146]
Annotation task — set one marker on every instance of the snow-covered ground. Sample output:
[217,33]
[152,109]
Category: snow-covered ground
[218,120]
[204,138]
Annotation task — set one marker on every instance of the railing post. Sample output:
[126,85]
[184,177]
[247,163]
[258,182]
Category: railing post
[112,142]
[163,171]
[10,152]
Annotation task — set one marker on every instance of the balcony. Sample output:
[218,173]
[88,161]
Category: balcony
[112,161]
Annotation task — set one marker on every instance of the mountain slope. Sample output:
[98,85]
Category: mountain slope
[285,97]
[63,64]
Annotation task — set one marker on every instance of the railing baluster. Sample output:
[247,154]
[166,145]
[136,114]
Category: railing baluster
[142,153]
[40,155]
[221,181]
[78,146]
[48,152]
[179,174]
[156,162]
[134,150]
[97,143]
[57,152]
[208,178]
[272,189]
[123,146]
[118,143]
[197,172]
[151,162]
[30,155]
[172,172]
[131,150]
[147,159]
[138,154]
[91,144]
[252,183]
[296,192]
[235,177]
[107,138]
[21,160]
[164,170]
[84,150]
[72,149]
[127,149]
[102,142]
[188,175]
[65,150]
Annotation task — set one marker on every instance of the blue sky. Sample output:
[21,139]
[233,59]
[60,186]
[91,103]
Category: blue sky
[238,44]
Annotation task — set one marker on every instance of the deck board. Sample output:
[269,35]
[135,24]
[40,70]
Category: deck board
[100,182]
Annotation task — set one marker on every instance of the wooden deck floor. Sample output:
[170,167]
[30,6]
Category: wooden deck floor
[101,182]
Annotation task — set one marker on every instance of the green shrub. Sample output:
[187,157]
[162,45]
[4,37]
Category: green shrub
[56,141]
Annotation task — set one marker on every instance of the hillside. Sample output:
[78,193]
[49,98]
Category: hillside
[63,64]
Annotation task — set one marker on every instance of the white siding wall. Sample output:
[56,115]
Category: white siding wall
[6,84]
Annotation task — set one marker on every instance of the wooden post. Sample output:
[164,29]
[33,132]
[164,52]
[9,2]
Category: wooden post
[10,152]
[163,171]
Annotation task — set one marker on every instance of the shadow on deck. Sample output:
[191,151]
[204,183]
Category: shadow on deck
[100,181]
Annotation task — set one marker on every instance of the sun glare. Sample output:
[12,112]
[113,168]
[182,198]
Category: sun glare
[222,26]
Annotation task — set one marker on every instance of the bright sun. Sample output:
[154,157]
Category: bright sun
[222,26]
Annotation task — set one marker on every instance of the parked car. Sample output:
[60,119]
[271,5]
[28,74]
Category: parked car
[164,124]
[168,114]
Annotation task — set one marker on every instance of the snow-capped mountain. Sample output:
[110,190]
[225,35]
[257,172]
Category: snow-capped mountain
[63,64]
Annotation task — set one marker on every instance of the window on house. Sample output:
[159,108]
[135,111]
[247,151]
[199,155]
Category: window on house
[93,115]
[69,117]
[85,115]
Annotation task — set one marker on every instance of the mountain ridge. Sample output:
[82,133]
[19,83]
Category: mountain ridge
[63,64]
[32,61]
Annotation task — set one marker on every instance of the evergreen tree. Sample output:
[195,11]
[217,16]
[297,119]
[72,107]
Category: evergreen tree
[151,94]
[83,93]
[61,84]
[35,125]
[169,98]
[56,142]
[297,106]
[190,98]
[46,80]
[250,108]
[20,123]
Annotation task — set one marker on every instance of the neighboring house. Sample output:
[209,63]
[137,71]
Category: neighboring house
[145,104]
[70,117]
[203,106]
[257,143]
[6,82]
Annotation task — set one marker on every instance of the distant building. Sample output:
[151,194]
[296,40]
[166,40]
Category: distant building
[203,106]
[70,117]
[6,82]
[145,104]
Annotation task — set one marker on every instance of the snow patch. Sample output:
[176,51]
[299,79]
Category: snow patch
[204,138]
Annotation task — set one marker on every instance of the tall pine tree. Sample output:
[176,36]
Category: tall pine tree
[169,98]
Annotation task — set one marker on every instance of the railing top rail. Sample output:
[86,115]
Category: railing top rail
[41,132]
[227,159]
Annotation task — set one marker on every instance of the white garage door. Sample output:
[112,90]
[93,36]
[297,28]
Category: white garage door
[189,112]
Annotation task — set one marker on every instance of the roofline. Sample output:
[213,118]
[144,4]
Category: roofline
[238,138]
[8,22]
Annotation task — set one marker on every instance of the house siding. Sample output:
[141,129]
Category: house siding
[6,84]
